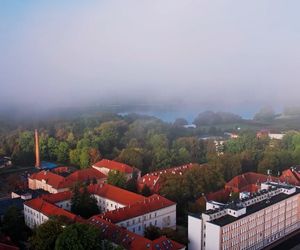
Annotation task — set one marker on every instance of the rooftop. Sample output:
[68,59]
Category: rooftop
[114,193]
[227,219]
[152,203]
[151,179]
[57,180]
[130,240]
[49,209]
[114,165]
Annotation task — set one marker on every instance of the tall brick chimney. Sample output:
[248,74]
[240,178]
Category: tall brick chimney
[37,149]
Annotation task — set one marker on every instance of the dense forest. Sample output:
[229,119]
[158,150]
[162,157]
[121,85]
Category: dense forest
[149,143]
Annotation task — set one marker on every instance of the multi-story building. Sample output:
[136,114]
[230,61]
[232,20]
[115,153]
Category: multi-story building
[105,166]
[153,180]
[55,182]
[38,211]
[110,197]
[252,222]
[154,210]
[129,240]
[125,210]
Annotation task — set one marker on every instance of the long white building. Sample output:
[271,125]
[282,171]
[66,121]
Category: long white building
[154,210]
[252,222]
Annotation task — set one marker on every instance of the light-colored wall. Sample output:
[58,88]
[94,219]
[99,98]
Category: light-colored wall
[212,237]
[264,227]
[194,233]
[106,204]
[33,218]
[106,171]
[66,204]
[162,218]
[37,184]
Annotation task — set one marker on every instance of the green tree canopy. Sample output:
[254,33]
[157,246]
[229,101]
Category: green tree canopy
[79,237]
[45,235]
[116,178]
[82,203]
[13,224]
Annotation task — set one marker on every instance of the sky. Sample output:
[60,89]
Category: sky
[218,54]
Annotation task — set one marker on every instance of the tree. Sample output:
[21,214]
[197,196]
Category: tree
[228,165]
[116,178]
[23,153]
[13,224]
[45,235]
[82,203]
[74,157]
[131,156]
[79,237]
[52,149]
[84,158]
[266,114]
[151,232]
[63,152]
[94,155]
[268,162]
[146,191]
[180,122]
[202,179]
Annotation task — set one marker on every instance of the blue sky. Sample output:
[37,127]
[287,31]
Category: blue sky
[218,54]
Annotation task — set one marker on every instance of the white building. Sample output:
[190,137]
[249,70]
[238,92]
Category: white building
[105,166]
[276,136]
[154,210]
[253,222]
[38,211]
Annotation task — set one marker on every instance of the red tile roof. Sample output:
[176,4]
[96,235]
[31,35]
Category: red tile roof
[61,169]
[248,182]
[114,165]
[55,198]
[109,231]
[152,180]
[49,209]
[57,181]
[86,174]
[52,179]
[291,175]
[114,193]
[150,204]
[130,240]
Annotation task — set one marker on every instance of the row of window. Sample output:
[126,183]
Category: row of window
[138,220]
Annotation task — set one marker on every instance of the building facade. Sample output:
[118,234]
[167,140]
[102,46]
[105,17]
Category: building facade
[154,210]
[105,166]
[252,222]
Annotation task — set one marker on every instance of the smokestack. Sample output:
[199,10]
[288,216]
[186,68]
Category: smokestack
[37,149]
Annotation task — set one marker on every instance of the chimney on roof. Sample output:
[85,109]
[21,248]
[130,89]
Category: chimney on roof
[37,149]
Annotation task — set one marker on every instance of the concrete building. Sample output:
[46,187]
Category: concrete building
[252,222]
